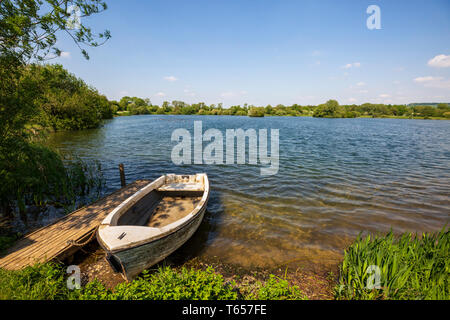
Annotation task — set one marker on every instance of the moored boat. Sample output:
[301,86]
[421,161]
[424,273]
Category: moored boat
[154,222]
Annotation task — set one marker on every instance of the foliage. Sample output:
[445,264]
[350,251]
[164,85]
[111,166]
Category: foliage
[276,288]
[32,174]
[48,282]
[28,28]
[411,267]
[64,101]
[6,241]
[34,97]
[330,109]
[167,284]
[40,282]
[256,112]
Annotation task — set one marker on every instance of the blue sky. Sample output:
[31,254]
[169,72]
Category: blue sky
[269,52]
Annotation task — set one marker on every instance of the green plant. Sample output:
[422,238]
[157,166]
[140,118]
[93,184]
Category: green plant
[39,282]
[167,284]
[276,288]
[410,267]
[6,242]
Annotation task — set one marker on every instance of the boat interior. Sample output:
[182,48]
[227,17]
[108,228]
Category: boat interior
[171,201]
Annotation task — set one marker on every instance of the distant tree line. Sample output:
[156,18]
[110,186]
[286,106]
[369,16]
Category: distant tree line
[330,109]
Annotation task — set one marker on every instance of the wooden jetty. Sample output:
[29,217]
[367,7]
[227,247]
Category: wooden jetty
[62,238]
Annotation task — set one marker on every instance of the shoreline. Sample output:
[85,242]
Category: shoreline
[128,114]
[315,285]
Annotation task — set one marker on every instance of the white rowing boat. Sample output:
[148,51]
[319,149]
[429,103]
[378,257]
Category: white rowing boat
[154,222]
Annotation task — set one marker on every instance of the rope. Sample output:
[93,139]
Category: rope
[77,244]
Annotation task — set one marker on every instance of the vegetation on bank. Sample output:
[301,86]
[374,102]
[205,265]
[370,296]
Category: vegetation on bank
[330,109]
[410,267]
[49,282]
[35,98]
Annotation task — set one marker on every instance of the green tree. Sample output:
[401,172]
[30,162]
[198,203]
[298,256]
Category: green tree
[29,28]
[30,171]
[330,109]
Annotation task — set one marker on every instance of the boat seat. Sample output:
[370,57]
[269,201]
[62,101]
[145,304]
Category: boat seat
[182,187]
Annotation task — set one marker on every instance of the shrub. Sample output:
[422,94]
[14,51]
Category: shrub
[167,284]
[256,112]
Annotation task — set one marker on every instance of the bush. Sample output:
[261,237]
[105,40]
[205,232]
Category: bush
[167,284]
[64,101]
[330,109]
[411,267]
[256,112]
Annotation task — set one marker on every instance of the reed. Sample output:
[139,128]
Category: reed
[410,267]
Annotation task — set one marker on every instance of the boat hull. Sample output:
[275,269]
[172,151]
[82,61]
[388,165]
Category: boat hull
[132,261]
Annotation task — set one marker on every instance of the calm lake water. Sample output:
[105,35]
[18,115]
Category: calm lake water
[337,178]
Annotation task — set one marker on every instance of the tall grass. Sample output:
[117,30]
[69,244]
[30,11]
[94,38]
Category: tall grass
[40,282]
[39,177]
[83,183]
[411,267]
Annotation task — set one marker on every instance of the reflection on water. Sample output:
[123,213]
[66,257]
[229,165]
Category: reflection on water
[337,178]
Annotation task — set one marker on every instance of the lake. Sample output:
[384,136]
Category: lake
[336,178]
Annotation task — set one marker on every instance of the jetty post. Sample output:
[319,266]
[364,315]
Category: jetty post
[122,175]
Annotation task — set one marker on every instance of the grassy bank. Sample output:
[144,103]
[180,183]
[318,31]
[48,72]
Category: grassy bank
[410,267]
[48,282]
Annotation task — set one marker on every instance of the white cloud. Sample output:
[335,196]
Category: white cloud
[427,79]
[160,94]
[440,61]
[170,78]
[360,84]
[363,91]
[65,54]
[433,82]
[189,92]
[352,99]
[232,94]
[352,65]
[228,94]
[384,95]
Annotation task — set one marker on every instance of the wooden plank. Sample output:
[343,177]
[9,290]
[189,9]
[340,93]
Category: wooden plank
[51,242]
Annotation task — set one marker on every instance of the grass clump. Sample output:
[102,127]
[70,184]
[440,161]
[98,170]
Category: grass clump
[40,282]
[410,267]
[276,288]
